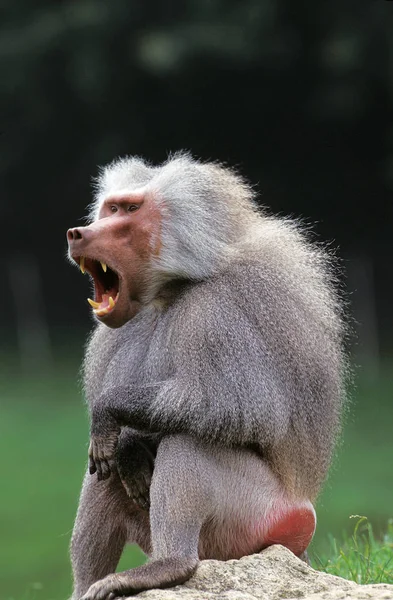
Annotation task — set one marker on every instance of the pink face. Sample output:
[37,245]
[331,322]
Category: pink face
[116,251]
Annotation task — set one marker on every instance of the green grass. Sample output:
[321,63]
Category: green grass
[360,480]
[43,445]
[360,557]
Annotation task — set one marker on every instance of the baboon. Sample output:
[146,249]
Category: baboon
[215,376]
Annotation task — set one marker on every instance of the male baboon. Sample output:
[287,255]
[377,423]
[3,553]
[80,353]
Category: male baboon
[214,377]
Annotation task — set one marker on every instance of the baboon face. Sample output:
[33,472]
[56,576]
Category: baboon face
[116,251]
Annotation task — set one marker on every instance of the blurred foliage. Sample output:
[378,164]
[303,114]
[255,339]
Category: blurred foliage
[299,96]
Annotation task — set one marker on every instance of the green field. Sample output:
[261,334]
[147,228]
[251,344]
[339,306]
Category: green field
[43,444]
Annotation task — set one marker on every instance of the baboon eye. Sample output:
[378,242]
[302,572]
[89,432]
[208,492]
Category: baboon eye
[113,208]
[132,207]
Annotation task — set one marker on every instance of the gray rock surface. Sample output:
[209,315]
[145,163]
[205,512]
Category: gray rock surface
[275,574]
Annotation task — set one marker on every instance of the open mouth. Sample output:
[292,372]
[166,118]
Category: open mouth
[106,285]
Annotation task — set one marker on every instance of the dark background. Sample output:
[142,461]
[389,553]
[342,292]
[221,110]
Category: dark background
[297,95]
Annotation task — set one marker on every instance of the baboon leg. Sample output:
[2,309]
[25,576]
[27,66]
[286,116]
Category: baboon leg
[180,503]
[106,519]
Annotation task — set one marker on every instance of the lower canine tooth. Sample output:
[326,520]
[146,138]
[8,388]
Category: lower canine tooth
[92,303]
[111,302]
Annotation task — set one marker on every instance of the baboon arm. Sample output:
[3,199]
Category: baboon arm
[121,406]
[156,409]
[224,389]
[137,408]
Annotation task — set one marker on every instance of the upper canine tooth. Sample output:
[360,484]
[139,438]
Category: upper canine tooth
[82,264]
[103,265]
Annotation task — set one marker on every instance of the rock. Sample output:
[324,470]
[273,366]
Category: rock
[274,574]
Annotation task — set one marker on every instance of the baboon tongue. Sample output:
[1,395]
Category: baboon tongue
[105,301]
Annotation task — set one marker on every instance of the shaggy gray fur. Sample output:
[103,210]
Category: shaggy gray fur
[237,353]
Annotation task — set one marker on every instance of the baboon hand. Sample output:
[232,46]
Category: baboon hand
[104,437]
[136,474]
[101,455]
